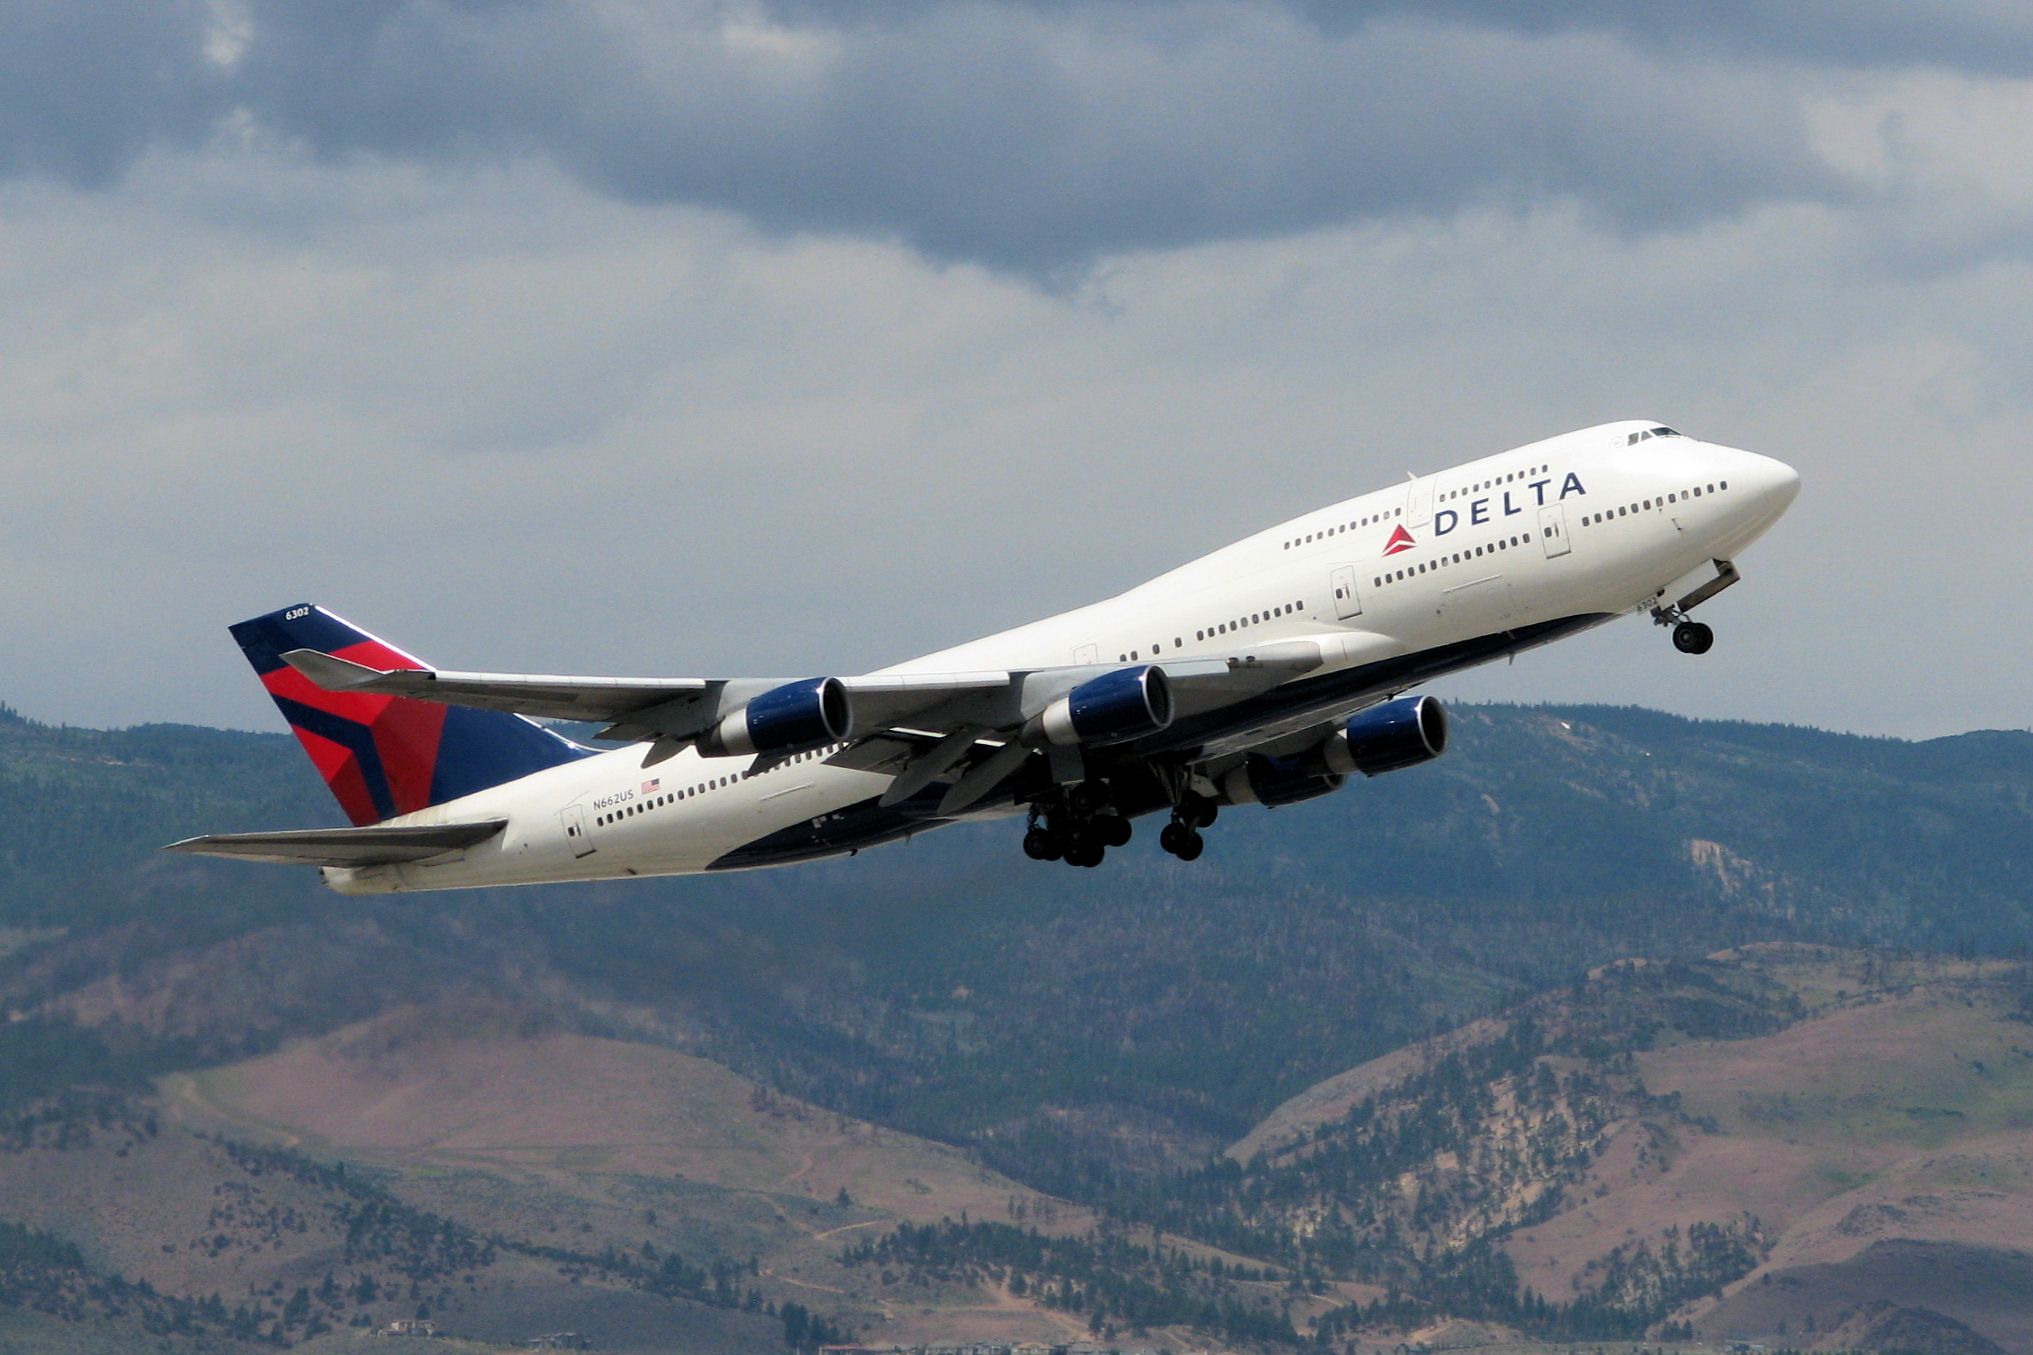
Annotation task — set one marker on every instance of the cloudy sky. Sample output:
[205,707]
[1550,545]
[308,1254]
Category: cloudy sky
[800,337]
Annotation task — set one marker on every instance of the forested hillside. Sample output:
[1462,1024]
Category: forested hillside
[1101,1036]
[952,988]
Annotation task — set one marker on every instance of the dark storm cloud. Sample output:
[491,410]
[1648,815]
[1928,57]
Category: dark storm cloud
[1991,37]
[84,88]
[1029,138]
[1025,136]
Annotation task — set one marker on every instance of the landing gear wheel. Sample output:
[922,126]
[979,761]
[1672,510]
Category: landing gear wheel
[1692,637]
[1181,841]
[1084,851]
[1112,830]
[1042,845]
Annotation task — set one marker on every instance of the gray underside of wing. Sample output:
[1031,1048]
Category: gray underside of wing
[371,846]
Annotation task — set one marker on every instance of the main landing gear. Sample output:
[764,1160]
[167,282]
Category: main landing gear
[1181,837]
[1079,830]
[1080,825]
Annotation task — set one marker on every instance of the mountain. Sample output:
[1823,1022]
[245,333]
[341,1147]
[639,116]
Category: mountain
[1746,1144]
[1099,1037]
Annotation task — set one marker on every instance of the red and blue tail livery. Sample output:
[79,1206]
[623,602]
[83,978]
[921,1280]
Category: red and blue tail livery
[385,756]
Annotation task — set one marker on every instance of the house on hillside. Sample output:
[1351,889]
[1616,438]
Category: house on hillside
[421,1327]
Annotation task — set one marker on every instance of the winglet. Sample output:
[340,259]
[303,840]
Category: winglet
[332,673]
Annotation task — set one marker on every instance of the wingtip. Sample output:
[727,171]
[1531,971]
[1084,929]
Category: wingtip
[333,674]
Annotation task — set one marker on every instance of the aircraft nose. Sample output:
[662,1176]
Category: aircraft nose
[1773,484]
[1778,483]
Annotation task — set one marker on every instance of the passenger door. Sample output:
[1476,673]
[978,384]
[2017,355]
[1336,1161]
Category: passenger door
[574,819]
[1419,503]
[1553,530]
[1347,602]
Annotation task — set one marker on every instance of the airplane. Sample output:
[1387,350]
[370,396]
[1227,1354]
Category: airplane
[1267,673]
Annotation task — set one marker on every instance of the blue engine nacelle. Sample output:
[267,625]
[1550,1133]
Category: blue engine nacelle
[1386,738]
[1382,739]
[1274,781]
[789,719]
[1126,704]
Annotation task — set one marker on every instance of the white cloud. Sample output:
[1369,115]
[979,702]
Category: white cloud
[513,422]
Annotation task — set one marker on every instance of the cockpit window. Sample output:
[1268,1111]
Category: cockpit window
[1660,432]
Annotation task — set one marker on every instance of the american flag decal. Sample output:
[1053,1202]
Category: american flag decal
[651,787]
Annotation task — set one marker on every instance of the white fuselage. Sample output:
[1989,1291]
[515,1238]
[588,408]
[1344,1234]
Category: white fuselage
[1505,552]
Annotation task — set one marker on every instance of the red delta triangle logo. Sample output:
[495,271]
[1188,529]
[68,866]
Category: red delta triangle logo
[1400,540]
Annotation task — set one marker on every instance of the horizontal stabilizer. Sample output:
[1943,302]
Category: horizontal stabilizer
[373,846]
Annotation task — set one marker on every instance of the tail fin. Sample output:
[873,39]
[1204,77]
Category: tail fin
[388,755]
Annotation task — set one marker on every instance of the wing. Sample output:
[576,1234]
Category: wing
[916,726]
[682,709]
[675,710]
[342,846]
[540,696]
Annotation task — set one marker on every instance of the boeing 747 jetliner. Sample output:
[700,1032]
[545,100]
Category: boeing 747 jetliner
[1266,673]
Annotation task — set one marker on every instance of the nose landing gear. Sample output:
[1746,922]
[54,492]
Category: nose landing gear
[1692,637]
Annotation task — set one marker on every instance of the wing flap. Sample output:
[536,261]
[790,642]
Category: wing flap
[372,846]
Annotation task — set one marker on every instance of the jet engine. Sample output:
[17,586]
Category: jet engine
[789,719]
[1125,704]
[1274,781]
[1382,739]
[1386,738]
